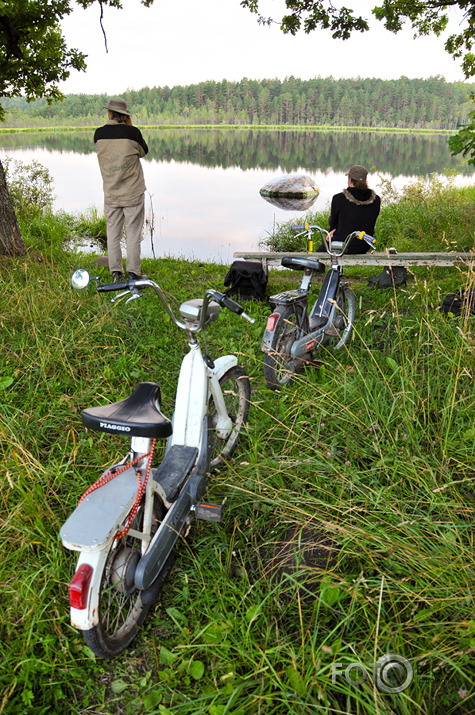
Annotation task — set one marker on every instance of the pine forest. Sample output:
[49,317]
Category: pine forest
[403,103]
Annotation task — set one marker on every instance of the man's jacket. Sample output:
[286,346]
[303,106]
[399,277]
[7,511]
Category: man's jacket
[119,150]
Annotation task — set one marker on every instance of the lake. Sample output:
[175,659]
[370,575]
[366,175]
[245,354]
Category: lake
[203,184]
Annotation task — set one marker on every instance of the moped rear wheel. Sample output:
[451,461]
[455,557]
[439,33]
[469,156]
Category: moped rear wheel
[344,318]
[122,610]
[279,366]
[237,395]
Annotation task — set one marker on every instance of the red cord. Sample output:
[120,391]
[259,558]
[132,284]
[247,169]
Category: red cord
[108,476]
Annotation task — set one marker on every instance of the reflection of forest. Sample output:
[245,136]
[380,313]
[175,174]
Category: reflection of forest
[288,151]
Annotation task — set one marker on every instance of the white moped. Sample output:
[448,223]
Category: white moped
[127,523]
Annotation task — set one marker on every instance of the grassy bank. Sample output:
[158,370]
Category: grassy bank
[260,127]
[348,527]
[360,475]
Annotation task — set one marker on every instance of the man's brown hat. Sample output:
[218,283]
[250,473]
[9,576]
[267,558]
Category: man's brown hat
[118,105]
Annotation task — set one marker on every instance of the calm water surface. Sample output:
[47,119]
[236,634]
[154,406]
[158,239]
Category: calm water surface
[203,185]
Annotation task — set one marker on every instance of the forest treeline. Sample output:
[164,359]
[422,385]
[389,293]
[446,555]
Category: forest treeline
[404,103]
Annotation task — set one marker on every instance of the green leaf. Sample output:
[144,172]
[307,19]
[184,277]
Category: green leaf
[152,699]
[118,686]
[168,675]
[295,680]
[252,612]
[6,382]
[217,709]
[176,615]
[214,634]
[166,656]
[329,594]
[196,669]
[90,654]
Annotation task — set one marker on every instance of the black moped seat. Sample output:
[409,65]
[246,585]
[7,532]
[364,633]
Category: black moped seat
[299,262]
[138,415]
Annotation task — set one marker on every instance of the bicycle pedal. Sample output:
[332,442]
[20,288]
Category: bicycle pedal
[331,331]
[208,512]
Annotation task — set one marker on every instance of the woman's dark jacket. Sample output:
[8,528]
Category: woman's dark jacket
[354,210]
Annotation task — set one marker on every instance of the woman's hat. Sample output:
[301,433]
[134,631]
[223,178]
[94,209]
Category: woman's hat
[357,172]
[118,105]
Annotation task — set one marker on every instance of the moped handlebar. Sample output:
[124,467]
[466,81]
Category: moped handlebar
[230,304]
[81,279]
[308,228]
[363,236]
[106,287]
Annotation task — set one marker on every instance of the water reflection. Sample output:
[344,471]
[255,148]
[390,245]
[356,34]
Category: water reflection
[405,154]
[290,203]
[203,185]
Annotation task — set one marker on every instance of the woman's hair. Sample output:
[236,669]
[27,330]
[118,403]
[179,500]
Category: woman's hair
[121,118]
[360,183]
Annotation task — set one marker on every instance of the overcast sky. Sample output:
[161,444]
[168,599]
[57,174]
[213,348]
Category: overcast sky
[180,42]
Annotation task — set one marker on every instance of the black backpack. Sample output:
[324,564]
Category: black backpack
[461,302]
[390,277]
[246,280]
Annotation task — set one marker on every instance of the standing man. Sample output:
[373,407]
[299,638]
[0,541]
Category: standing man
[120,146]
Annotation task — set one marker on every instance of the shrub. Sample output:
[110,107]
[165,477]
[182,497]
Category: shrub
[31,190]
[30,186]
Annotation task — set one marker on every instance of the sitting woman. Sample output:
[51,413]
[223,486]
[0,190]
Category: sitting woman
[356,208]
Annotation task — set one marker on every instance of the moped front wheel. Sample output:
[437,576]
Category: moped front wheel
[279,366]
[236,391]
[122,607]
[344,318]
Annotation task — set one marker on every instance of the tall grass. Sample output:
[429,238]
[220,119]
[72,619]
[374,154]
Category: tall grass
[348,528]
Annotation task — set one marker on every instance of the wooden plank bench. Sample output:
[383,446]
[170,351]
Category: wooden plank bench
[268,258]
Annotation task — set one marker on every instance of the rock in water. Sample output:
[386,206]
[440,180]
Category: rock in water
[295,185]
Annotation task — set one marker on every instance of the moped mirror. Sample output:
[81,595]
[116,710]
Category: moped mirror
[80,279]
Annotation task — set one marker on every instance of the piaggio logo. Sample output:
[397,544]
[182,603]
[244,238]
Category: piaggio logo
[118,428]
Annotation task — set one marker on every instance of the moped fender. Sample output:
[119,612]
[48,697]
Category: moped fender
[191,397]
[87,618]
[94,522]
[222,365]
[224,422]
[269,339]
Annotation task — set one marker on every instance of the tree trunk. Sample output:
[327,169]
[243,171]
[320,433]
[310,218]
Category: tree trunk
[11,241]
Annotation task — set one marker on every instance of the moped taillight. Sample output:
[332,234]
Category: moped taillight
[79,587]
[272,321]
